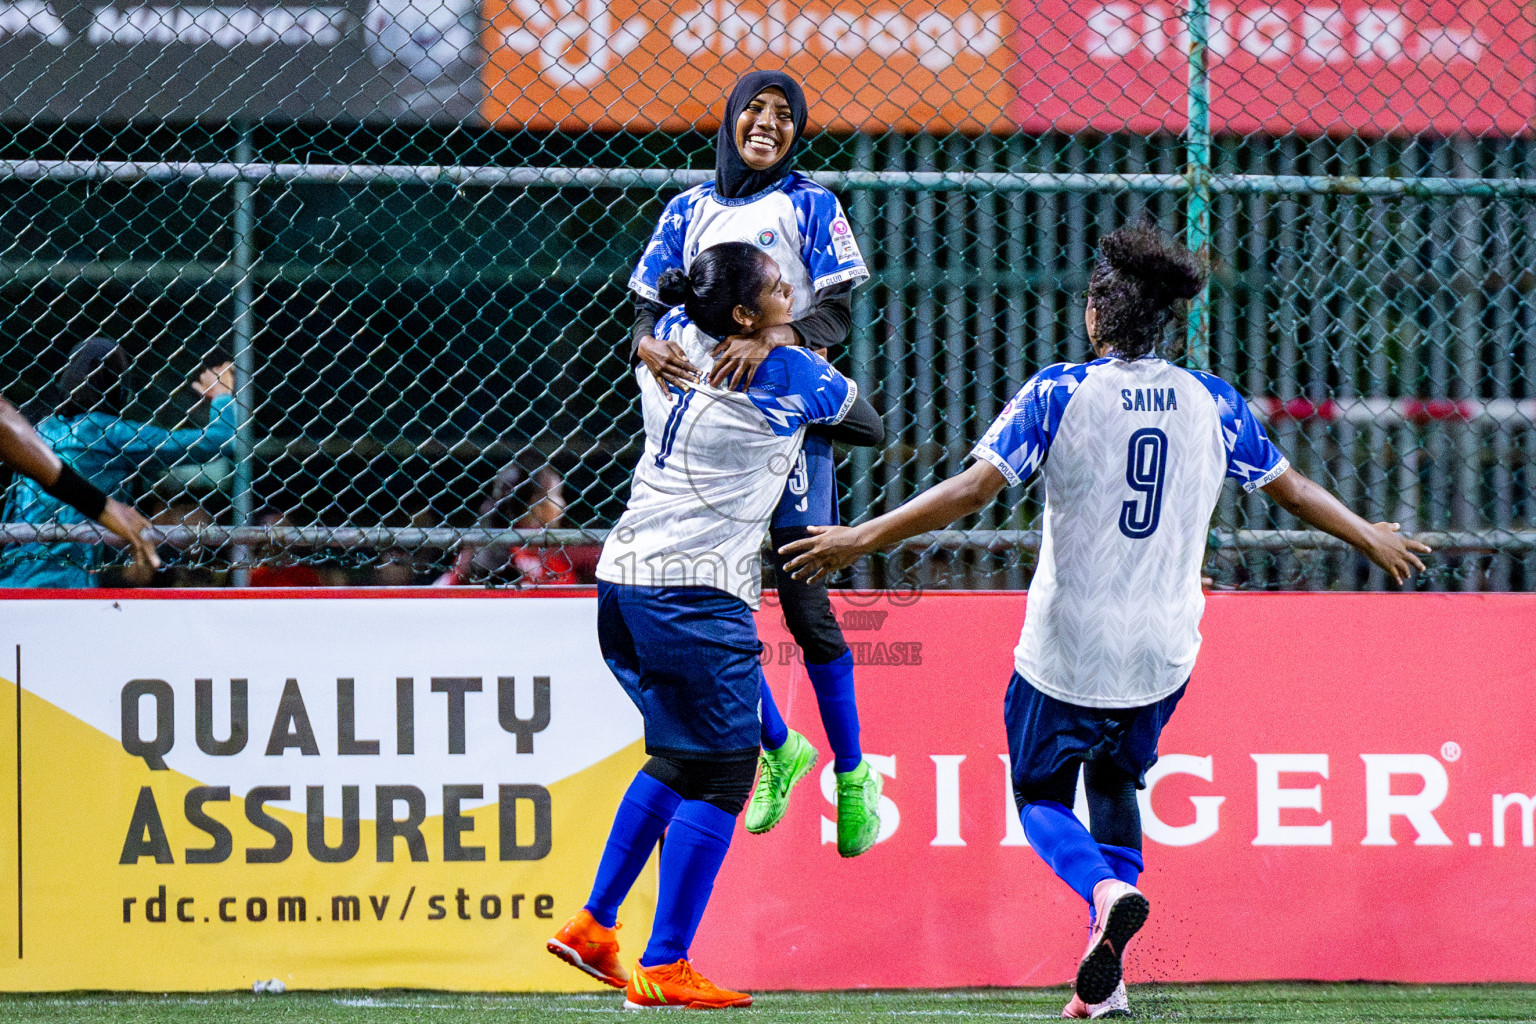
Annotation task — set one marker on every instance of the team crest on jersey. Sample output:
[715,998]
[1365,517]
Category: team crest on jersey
[767,237]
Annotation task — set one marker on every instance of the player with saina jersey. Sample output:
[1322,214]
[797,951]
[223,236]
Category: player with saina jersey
[758,197]
[1133,450]
[678,579]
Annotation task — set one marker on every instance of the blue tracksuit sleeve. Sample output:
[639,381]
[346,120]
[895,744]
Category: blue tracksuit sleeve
[149,446]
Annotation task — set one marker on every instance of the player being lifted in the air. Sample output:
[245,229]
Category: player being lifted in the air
[678,579]
[1133,450]
[758,197]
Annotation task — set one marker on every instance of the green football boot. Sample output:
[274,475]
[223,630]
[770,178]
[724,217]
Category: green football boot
[858,809]
[778,771]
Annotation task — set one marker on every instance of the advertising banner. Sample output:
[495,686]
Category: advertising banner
[355,791]
[333,793]
[866,64]
[1345,791]
[411,60]
[1342,66]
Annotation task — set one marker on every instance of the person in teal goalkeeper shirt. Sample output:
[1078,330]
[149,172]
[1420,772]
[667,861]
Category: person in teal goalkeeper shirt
[90,435]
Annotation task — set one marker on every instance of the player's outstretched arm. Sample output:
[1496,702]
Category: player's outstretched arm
[1315,505]
[22,449]
[834,547]
[127,523]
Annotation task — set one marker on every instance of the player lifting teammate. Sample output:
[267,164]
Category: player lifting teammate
[677,582]
[1133,450]
[758,197]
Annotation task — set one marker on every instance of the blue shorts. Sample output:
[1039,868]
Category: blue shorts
[688,658]
[1046,735]
[810,492]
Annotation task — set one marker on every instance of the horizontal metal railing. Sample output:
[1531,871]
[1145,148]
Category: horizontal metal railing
[1393,412]
[256,173]
[385,537]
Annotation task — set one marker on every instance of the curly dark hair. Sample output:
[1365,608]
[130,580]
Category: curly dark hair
[1139,287]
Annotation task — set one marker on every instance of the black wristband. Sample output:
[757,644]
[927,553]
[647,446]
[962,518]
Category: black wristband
[75,490]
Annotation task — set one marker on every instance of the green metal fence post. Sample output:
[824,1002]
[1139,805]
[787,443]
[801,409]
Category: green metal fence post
[1198,172]
[865,370]
[242,316]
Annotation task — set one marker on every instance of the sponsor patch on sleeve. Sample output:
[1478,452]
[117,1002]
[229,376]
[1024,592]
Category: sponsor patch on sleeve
[843,245]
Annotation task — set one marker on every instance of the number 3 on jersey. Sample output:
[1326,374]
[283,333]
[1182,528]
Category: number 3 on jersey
[799,482]
[1146,463]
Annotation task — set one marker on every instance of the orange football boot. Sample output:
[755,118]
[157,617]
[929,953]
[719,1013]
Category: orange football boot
[677,986]
[588,946]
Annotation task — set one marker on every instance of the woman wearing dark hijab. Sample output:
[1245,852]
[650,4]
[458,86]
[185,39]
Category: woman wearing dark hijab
[91,437]
[758,197]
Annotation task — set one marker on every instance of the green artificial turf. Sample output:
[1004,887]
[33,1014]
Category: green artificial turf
[1237,1003]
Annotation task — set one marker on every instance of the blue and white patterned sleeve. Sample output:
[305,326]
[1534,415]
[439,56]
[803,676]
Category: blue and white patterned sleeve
[1019,439]
[1252,458]
[664,251]
[795,386]
[827,244]
[670,326]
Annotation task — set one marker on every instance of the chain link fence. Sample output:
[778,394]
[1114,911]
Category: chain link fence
[409,223]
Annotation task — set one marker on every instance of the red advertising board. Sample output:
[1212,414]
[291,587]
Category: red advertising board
[1313,66]
[1346,791]
[1338,67]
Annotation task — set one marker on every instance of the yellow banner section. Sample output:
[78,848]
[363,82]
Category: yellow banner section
[123,877]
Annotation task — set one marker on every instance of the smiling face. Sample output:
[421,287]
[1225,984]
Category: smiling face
[774,303]
[765,130]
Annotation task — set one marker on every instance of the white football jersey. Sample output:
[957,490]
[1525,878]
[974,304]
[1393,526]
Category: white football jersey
[1134,454]
[796,221]
[714,466]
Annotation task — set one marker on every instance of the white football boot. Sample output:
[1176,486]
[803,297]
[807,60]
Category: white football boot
[1119,912]
[1117,1005]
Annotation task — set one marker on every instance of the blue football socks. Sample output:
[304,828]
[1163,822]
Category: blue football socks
[1125,862]
[1064,844]
[839,711]
[774,732]
[643,815]
[691,858]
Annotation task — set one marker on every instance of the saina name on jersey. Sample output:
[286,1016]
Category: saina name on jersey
[1133,454]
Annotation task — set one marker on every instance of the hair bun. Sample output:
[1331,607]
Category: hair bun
[1143,254]
[673,287]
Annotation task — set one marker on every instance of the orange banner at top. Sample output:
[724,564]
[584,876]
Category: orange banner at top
[933,65]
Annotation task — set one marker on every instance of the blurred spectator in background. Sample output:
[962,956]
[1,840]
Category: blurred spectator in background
[186,565]
[276,565]
[523,501]
[406,565]
[88,431]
